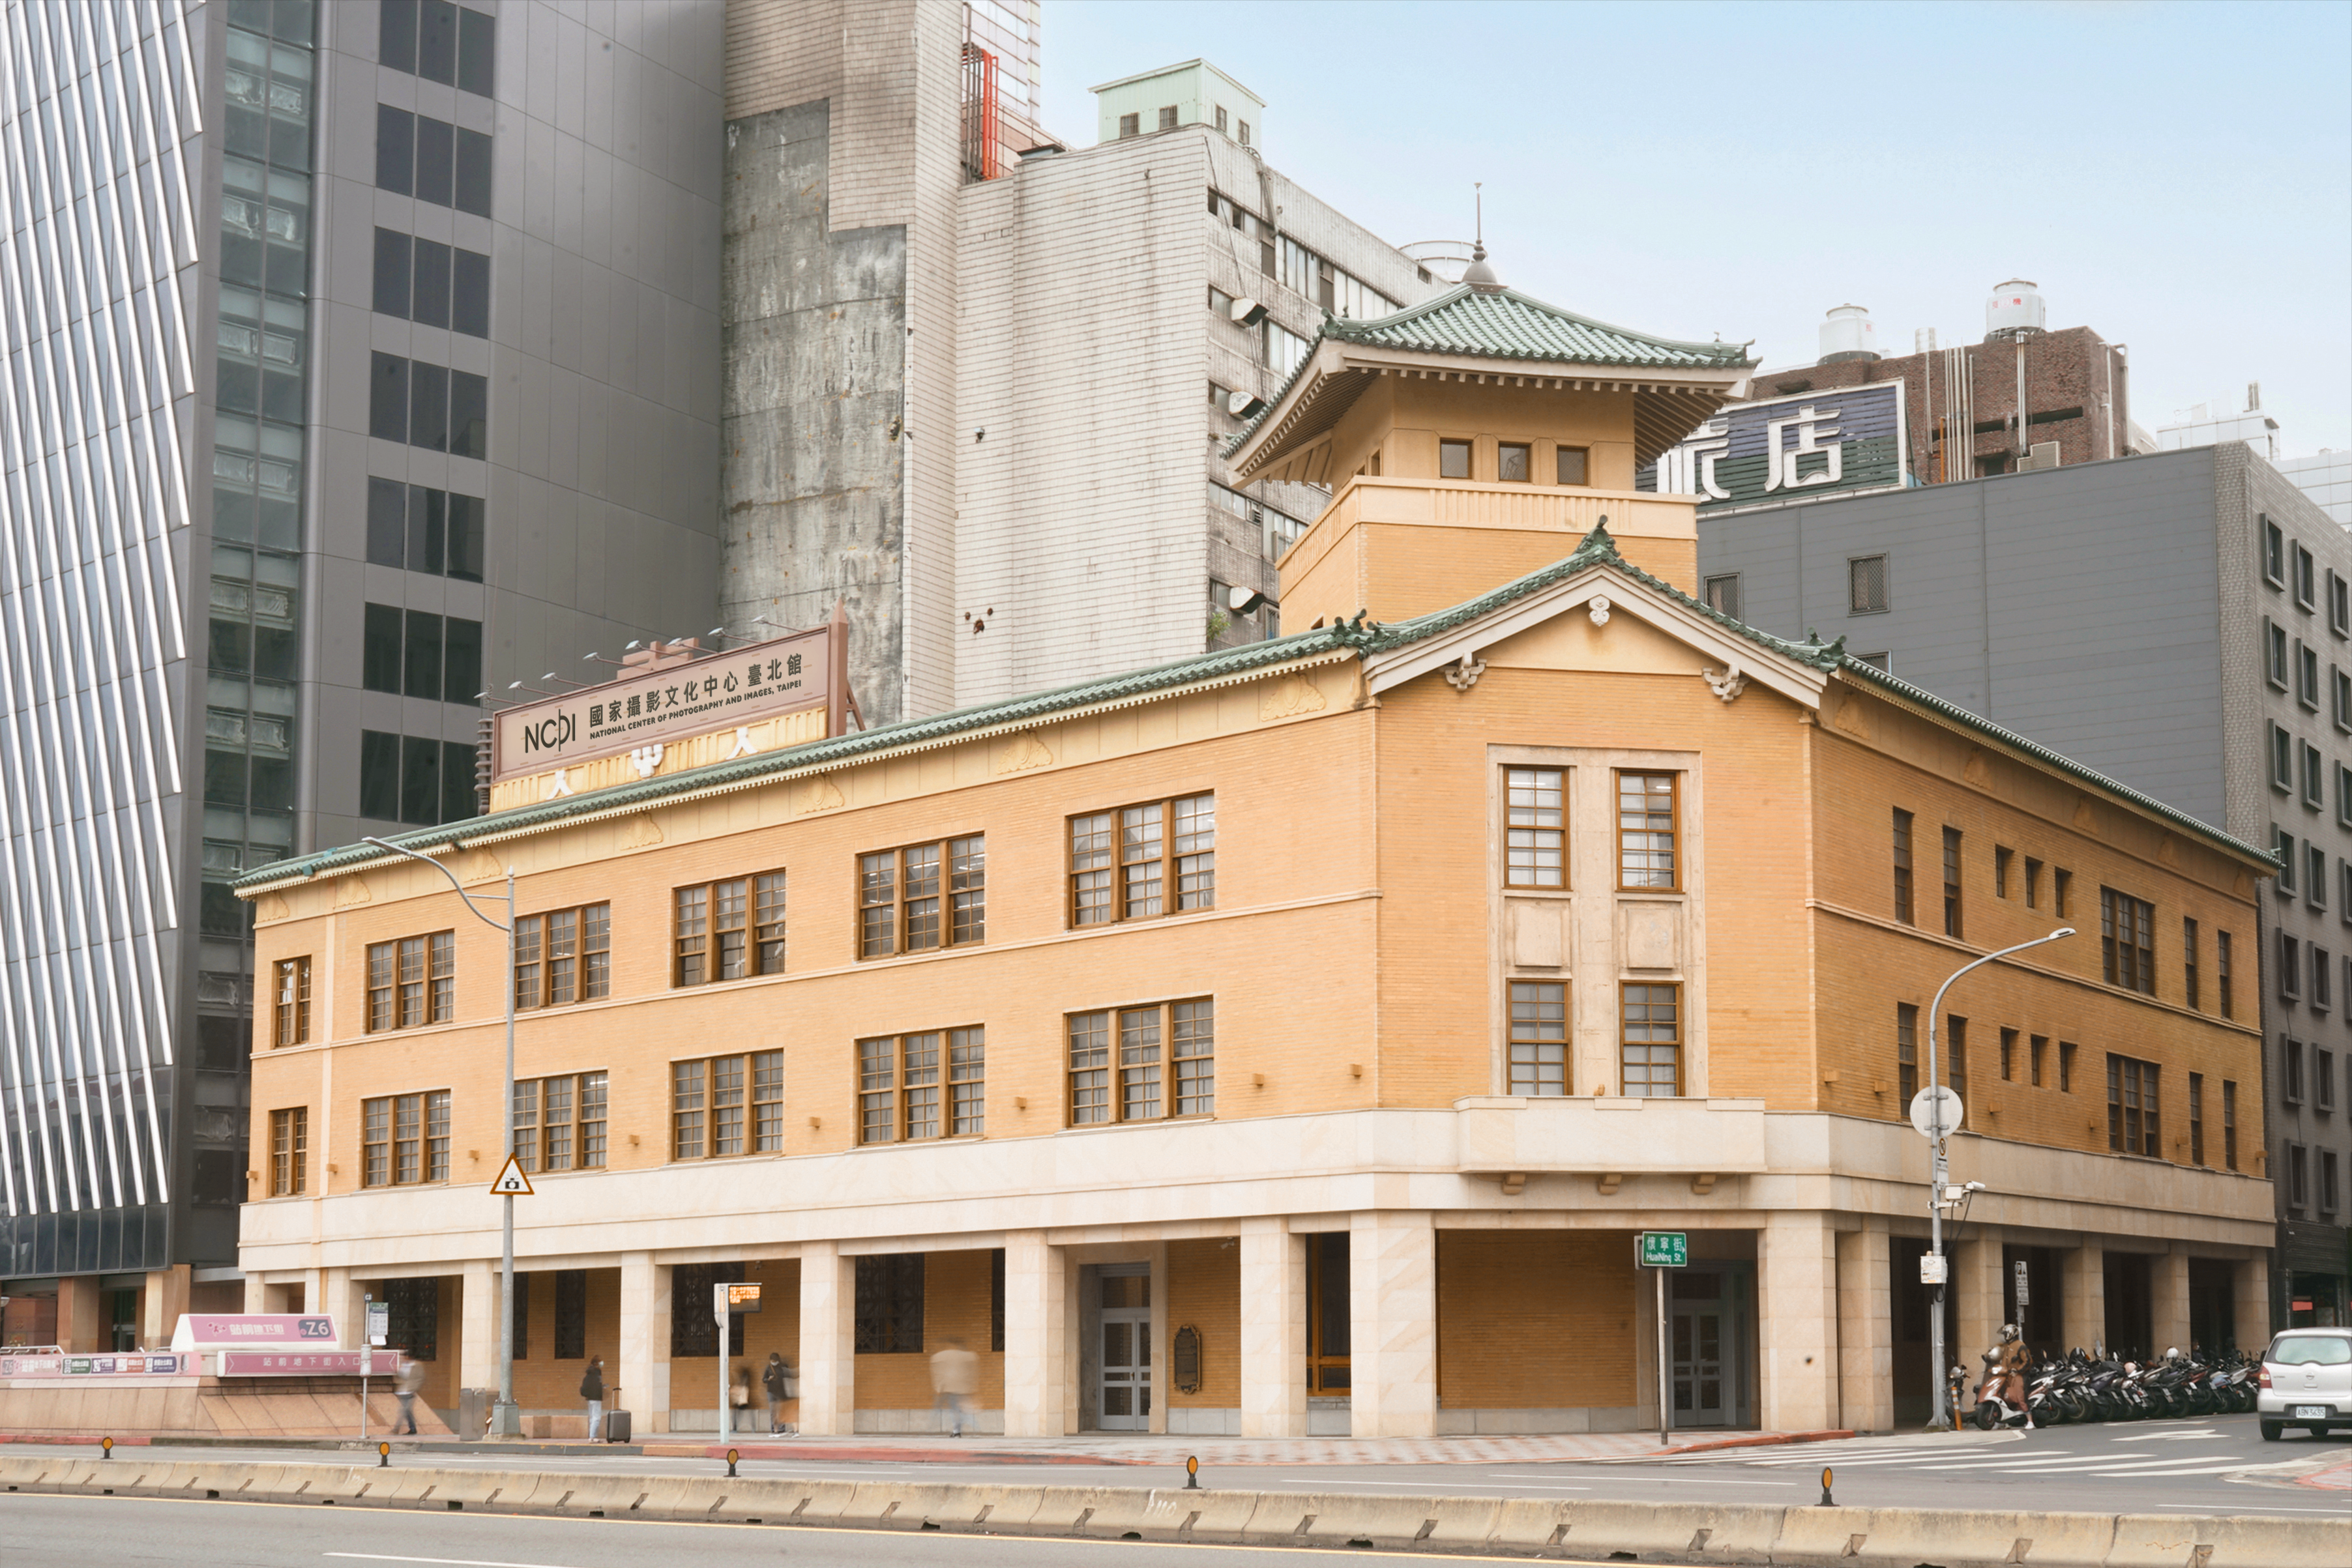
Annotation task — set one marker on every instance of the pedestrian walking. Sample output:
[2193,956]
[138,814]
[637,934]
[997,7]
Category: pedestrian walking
[777,1379]
[955,1372]
[407,1386]
[591,1389]
[739,1395]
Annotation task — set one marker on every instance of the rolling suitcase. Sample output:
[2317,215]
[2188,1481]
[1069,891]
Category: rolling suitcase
[616,1426]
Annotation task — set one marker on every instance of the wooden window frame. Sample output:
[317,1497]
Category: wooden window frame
[2192,989]
[2009,1055]
[535,1122]
[1906,887]
[716,932]
[1534,828]
[1165,1076]
[1626,1000]
[1674,831]
[1906,1056]
[1100,880]
[412,981]
[406,1122]
[290,1152]
[727,1094]
[2221,979]
[2196,1118]
[950,913]
[2128,941]
[2066,1050]
[2001,856]
[290,1002]
[1530,1030]
[2135,1107]
[2229,1124]
[587,972]
[908,1085]
[2033,882]
[2037,1052]
[1955,871]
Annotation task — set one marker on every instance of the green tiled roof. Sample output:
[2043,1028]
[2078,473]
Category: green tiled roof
[1507,325]
[1358,635]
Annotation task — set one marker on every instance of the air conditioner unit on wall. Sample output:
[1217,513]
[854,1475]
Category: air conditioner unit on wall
[2041,454]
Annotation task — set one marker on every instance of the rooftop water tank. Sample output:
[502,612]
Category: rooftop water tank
[1848,334]
[2015,310]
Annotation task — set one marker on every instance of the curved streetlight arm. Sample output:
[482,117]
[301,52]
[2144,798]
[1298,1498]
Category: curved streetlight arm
[1937,1173]
[453,883]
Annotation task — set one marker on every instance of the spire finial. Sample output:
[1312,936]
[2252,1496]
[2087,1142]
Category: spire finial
[1479,275]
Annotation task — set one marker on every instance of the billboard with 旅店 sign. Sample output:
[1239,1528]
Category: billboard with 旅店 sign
[674,698]
[1845,441]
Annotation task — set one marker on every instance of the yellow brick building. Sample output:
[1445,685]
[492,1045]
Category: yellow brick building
[1296,1038]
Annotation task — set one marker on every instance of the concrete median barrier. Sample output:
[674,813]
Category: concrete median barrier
[1787,1537]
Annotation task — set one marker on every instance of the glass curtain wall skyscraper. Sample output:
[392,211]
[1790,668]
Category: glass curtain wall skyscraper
[358,358]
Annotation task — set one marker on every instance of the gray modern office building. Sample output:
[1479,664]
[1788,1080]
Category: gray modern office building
[358,358]
[2181,620]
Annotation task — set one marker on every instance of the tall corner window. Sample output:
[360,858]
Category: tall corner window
[1903,898]
[1907,1055]
[1648,851]
[1539,1043]
[290,1152]
[290,1002]
[1536,851]
[1952,923]
[1650,1048]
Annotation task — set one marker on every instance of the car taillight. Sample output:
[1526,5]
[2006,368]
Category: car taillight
[2264,1380]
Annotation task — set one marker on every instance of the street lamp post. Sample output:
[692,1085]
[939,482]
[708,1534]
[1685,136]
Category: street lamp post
[504,1420]
[1940,1172]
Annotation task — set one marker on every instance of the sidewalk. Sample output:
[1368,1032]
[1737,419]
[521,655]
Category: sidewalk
[1144,1449]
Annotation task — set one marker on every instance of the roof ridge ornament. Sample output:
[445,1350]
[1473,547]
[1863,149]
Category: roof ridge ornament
[1481,278]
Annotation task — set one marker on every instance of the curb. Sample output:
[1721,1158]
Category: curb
[1762,1440]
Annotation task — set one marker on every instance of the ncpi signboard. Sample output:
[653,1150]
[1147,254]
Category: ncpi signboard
[1846,441]
[673,702]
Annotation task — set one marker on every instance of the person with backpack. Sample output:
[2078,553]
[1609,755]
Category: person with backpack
[591,1389]
[778,1380]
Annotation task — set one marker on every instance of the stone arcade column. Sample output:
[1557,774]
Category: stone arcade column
[2169,1306]
[1979,1298]
[1036,1336]
[1274,1330]
[1797,1322]
[1865,1331]
[636,1371]
[2251,1302]
[478,1329]
[1392,1324]
[2083,1278]
[829,1338]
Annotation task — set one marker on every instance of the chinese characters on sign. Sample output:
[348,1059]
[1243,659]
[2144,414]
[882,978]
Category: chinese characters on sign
[673,700]
[1842,442]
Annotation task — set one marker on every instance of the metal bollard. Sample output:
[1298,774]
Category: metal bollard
[1191,1472]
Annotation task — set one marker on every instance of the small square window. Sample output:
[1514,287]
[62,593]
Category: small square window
[1511,462]
[1167,118]
[1220,119]
[1722,594]
[1866,584]
[1454,460]
[1129,125]
[1243,128]
[1573,465]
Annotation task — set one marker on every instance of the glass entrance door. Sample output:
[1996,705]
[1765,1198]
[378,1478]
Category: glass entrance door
[1126,1362]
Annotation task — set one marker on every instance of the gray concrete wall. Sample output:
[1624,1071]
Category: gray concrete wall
[2076,605]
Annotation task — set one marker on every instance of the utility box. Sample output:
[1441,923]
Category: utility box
[474,1412]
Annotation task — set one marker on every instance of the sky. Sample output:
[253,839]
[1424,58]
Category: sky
[2176,176]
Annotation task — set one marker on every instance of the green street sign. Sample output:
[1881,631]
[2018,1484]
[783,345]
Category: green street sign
[1665,1248]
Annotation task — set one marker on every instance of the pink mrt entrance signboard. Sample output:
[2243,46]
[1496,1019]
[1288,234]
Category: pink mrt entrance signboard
[253,1331]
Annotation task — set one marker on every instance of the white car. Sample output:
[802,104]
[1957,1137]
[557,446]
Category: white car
[2306,1381]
